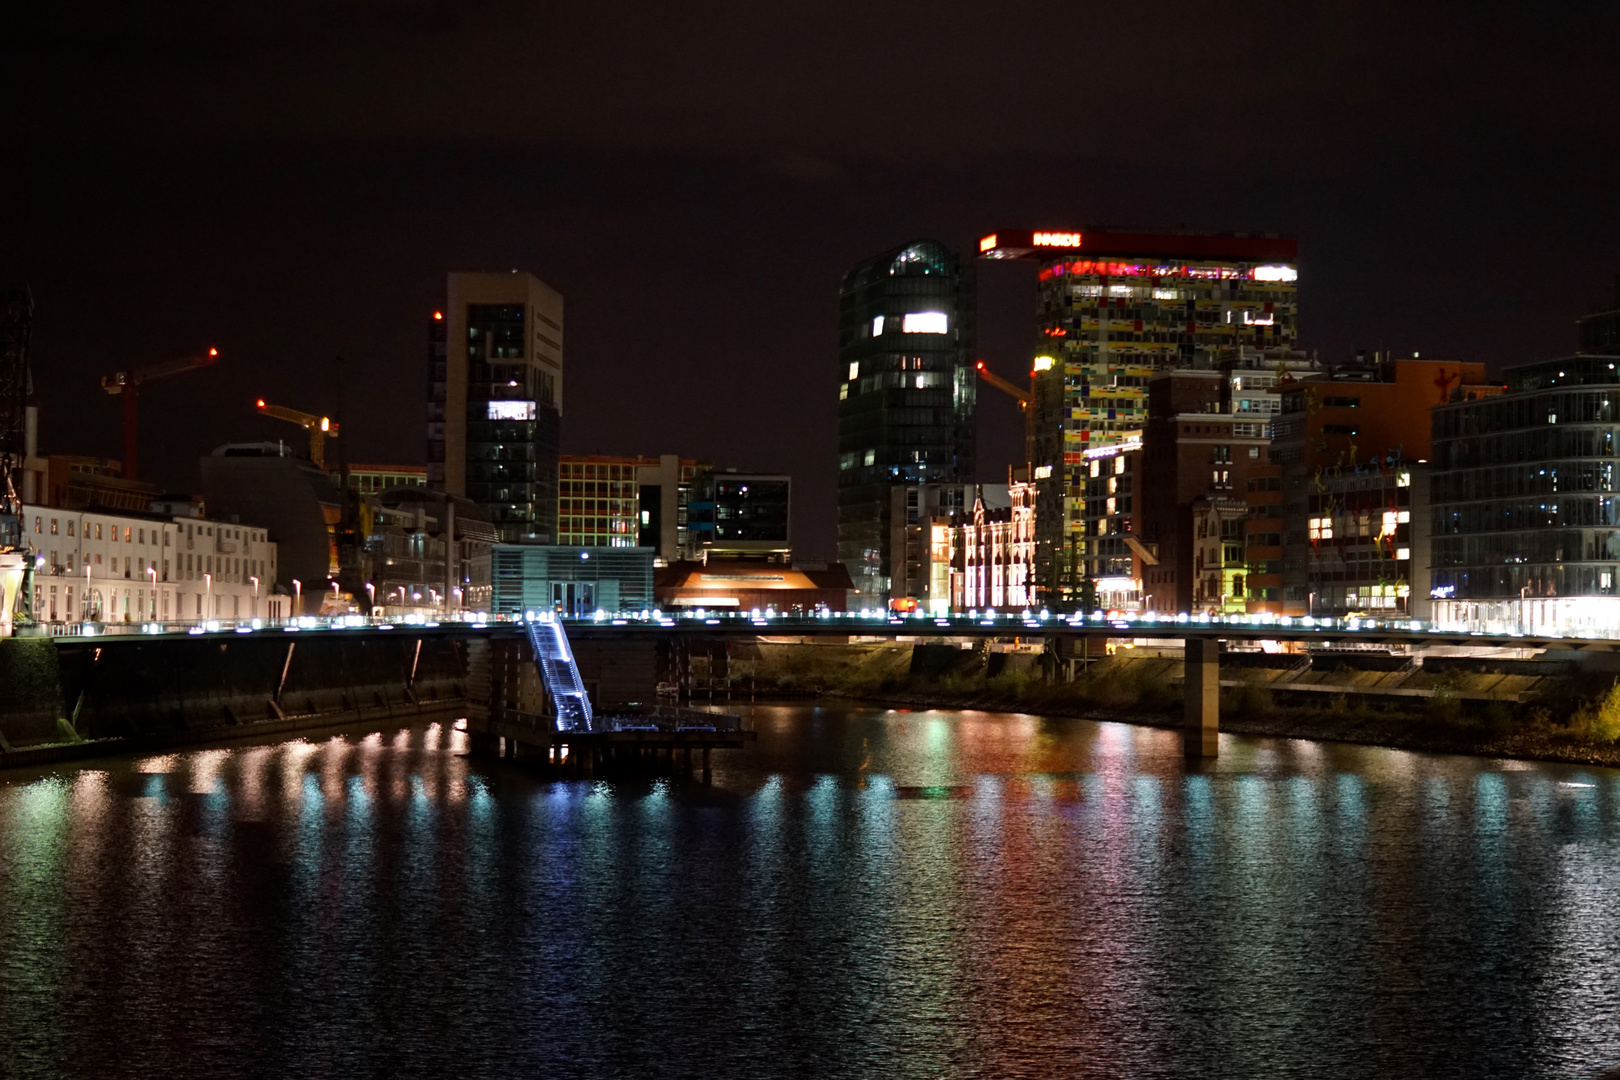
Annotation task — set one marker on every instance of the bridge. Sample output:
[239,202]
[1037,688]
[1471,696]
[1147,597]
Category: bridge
[524,688]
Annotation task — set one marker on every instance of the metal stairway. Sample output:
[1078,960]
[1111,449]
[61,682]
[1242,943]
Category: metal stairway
[560,674]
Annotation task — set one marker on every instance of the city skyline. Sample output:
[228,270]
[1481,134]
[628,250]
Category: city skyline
[253,198]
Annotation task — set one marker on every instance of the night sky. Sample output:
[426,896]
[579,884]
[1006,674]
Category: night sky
[291,181]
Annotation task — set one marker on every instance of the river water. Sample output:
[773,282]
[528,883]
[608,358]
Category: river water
[862,893]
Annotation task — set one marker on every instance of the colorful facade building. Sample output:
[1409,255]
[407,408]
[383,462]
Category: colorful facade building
[1115,310]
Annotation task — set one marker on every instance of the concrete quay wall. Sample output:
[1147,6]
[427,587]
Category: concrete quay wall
[81,697]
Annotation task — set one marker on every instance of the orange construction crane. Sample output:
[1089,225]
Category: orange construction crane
[319,427]
[1024,396]
[129,383]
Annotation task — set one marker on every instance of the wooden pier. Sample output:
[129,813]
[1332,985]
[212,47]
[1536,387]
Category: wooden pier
[626,750]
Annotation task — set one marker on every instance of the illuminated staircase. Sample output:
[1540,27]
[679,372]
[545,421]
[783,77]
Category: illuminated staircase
[561,675]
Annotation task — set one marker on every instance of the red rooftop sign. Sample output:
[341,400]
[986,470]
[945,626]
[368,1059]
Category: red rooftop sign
[1033,244]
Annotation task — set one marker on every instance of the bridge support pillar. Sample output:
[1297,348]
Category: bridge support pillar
[1202,686]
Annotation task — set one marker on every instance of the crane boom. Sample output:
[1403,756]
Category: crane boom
[128,384]
[1024,397]
[319,427]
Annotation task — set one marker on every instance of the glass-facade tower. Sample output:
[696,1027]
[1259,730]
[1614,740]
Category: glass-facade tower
[494,404]
[906,395]
[1526,501]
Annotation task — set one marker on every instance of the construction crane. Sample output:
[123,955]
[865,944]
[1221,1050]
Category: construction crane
[319,427]
[129,383]
[16,564]
[1024,396]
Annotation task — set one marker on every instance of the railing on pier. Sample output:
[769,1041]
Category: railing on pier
[668,718]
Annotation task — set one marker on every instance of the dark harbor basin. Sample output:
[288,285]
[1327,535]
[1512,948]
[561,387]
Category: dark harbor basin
[861,892]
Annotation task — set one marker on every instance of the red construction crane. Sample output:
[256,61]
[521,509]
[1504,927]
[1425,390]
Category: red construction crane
[129,383]
[1024,396]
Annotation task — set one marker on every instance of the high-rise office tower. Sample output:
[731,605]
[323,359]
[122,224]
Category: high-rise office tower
[906,395]
[1114,309]
[495,400]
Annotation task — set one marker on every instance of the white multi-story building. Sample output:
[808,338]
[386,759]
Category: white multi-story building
[99,567]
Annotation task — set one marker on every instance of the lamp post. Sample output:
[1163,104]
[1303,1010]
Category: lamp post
[151,572]
[86,589]
[371,594]
[255,596]
[208,604]
[298,597]
[1522,627]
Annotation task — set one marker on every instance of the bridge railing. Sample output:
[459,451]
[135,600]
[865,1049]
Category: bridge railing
[875,621]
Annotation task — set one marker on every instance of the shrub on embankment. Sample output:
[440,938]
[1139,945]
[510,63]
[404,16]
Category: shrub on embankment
[30,690]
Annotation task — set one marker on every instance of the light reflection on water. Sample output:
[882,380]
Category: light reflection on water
[863,893]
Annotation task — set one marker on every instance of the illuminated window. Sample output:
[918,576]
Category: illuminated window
[1403,554]
[1042,472]
[511,410]
[1321,528]
[871,458]
[854,371]
[877,329]
[843,391]
[1403,479]
[925,322]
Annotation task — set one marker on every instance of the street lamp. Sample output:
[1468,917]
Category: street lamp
[255,595]
[371,594]
[208,604]
[87,590]
[1522,626]
[298,597]
[151,572]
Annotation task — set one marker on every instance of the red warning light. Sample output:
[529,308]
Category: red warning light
[261,403]
[439,315]
[213,352]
